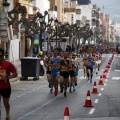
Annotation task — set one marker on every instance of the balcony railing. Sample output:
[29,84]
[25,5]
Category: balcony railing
[69,10]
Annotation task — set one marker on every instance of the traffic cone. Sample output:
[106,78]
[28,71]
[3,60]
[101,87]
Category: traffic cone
[88,102]
[109,63]
[66,114]
[101,82]
[101,76]
[106,70]
[104,75]
[107,66]
[95,90]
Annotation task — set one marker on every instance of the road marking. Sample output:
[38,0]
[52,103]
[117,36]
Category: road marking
[29,92]
[13,98]
[80,69]
[99,94]
[102,89]
[117,70]
[97,77]
[105,84]
[96,101]
[115,78]
[92,111]
[39,107]
[106,80]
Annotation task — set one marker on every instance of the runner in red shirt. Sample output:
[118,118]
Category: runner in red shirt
[7,71]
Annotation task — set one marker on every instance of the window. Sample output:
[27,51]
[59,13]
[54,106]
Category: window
[93,20]
[78,22]
[66,5]
[78,11]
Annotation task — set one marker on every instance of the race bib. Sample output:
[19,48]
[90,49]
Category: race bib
[2,72]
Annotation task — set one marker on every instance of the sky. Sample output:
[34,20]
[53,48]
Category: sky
[111,7]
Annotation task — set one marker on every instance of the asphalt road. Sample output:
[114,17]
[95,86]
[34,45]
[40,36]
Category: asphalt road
[31,100]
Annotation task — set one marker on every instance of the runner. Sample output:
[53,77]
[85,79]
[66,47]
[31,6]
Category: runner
[71,72]
[55,72]
[84,65]
[90,65]
[98,61]
[7,71]
[76,70]
[64,74]
[48,72]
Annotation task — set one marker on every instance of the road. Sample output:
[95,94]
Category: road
[31,100]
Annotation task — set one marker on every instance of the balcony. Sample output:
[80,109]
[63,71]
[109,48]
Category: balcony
[53,7]
[69,10]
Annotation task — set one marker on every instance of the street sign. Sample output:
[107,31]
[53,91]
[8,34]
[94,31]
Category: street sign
[44,46]
[45,35]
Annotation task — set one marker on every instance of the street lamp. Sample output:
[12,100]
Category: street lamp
[40,35]
[5,5]
[56,24]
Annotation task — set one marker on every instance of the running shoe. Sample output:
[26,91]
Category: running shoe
[65,95]
[51,90]
[70,90]
[90,80]
[49,85]
[7,117]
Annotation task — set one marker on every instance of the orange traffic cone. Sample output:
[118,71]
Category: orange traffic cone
[88,102]
[108,66]
[104,75]
[101,76]
[101,82]
[106,70]
[95,90]
[66,114]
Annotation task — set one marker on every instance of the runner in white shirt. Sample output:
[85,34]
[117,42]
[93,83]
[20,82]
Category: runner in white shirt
[98,60]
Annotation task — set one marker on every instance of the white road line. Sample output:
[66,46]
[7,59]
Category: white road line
[102,89]
[92,111]
[96,101]
[13,98]
[29,92]
[97,77]
[117,70]
[99,94]
[115,78]
[105,84]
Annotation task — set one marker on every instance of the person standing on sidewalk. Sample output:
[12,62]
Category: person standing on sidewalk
[7,71]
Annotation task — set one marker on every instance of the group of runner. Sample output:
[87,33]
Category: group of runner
[63,68]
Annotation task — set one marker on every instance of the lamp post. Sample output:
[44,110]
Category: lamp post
[40,35]
[56,24]
[5,5]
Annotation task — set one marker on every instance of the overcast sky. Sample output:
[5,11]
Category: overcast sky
[111,7]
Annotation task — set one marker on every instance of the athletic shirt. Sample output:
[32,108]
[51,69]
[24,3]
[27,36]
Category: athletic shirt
[97,56]
[90,59]
[6,68]
[55,60]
